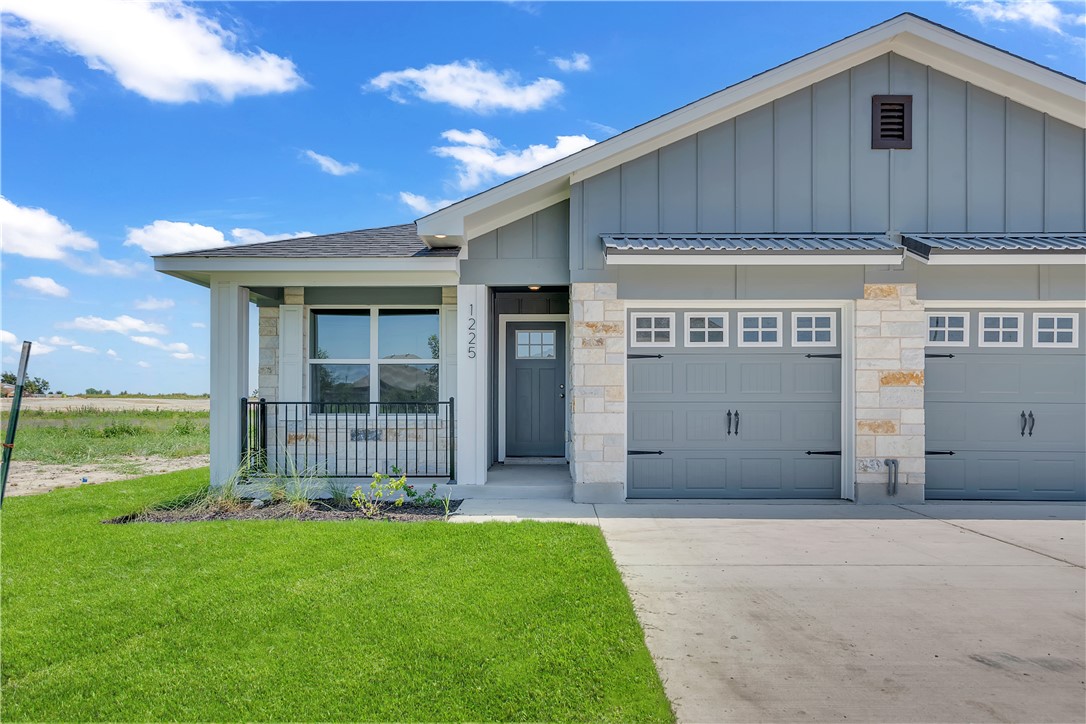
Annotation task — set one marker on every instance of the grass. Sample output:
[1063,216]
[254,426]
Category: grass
[87,435]
[283,620]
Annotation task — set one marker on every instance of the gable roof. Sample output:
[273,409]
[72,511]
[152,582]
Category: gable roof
[907,35]
[390,242]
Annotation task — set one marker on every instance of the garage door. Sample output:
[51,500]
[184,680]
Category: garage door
[1005,405]
[734,404]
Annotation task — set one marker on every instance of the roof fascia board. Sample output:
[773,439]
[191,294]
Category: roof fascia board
[774,259]
[338,279]
[302,265]
[998,258]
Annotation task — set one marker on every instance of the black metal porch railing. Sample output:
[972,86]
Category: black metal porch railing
[349,439]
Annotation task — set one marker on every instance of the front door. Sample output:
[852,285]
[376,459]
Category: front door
[535,414]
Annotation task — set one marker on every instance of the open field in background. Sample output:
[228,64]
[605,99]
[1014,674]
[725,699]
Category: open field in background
[291,621]
[60,404]
[59,446]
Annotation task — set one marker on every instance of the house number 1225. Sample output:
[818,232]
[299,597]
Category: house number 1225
[471,331]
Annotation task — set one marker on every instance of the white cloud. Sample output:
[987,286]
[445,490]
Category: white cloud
[37,234]
[252,236]
[39,348]
[199,325]
[1036,13]
[170,237]
[164,51]
[422,205]
[183,355]
[84,348]
[43,285]
[151,304]
[603,128]
[179,347]
[331,165]
[58,341]
[468,85]
[122,325]
[576,63]
[143,364]
[481,158]
[112,354]
[51,90]
[7,337]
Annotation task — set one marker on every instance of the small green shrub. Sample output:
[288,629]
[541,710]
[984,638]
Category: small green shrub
[369,500]
[121,429]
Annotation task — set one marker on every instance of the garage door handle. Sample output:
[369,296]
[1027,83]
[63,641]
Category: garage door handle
[729,422]
[737,422]
[1032,422]
[1023,431]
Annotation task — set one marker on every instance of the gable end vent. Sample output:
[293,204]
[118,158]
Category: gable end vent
[891,121]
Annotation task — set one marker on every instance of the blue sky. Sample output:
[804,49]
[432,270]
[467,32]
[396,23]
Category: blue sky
[132,129]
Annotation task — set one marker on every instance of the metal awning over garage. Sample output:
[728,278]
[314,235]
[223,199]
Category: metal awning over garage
[751,249]
[996,248]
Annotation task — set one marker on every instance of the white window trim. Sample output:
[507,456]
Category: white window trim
[739,329]
[981,329]
[687,330]
[374,360]
[1073,344]
[640,315]
[813,342]
[965,329]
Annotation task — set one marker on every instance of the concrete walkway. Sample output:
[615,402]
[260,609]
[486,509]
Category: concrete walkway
[800,612]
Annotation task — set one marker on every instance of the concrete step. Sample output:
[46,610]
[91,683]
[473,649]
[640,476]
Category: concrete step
[500,491]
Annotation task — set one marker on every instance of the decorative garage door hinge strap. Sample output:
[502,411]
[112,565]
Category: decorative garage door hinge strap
[644,356]
[938,452]
[945,356]
[823,452]
[823,356]
[644,452]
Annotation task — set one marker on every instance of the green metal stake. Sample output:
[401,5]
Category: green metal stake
[13,420]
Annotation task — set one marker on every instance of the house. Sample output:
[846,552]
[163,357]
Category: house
[858,275]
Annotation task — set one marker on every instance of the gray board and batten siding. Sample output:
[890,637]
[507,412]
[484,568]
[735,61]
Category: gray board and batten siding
[532,250]
[804,163]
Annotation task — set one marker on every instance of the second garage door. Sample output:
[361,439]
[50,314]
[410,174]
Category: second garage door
[727,404]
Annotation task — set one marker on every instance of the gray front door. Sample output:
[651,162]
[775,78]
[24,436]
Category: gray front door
[1005,405]
[732,404]
[535,415]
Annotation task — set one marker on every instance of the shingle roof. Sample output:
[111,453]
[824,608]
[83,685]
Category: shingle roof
[926,244]
[386,241]
[750,243]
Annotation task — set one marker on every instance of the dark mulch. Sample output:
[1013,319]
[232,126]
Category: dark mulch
[320,510]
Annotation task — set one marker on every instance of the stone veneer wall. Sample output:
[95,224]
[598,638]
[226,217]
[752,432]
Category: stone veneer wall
[890,339]
[598,411]
[268,353]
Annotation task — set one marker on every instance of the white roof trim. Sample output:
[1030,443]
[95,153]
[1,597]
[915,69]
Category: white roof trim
[998,258]
[772,259]
[907,35]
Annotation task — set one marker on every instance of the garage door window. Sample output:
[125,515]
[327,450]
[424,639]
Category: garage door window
[760,330]
[653,330]
[1055,330]
[706,330]
[948,329]
[814,330]
[1000,330]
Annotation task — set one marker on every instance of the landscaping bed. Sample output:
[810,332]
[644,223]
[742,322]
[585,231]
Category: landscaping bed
[283,510]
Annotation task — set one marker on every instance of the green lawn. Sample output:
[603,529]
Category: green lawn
[281,620]
[86,435]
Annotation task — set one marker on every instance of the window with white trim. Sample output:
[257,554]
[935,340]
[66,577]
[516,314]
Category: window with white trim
[653,330]
[760,330]
[814,329]
[374,355]
[1000,330]
[948,329]
[1055,330]
[535,344]
[706,329]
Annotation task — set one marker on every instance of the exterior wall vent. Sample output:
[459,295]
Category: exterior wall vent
[891,121]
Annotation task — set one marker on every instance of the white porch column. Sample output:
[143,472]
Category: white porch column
[471,383]
[229,375]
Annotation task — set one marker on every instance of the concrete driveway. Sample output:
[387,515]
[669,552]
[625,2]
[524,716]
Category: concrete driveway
[838,612]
